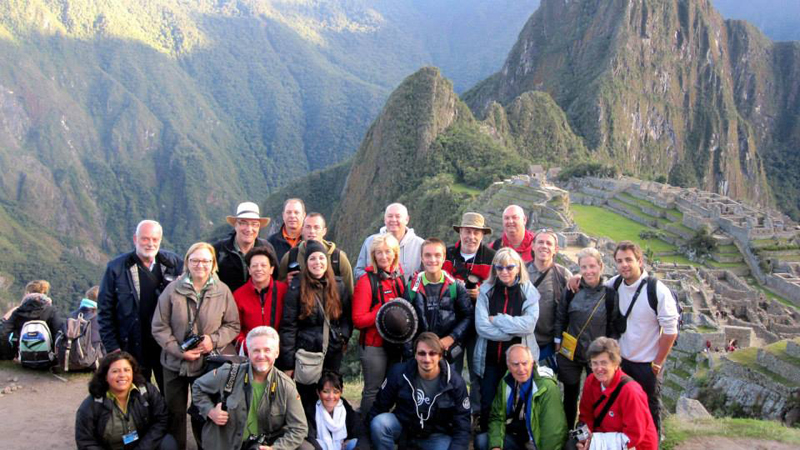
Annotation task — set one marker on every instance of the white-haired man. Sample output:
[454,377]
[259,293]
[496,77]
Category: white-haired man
[395,220]
[129,294]
[252,401]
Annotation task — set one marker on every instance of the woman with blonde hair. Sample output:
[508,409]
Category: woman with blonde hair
[196,315]
[381,283]
[505,314]
[580,319]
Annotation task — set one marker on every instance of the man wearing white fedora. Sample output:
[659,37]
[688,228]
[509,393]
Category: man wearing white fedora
[231,250]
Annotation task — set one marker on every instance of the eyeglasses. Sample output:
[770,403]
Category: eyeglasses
[422,354]
[508,268]
[200,262]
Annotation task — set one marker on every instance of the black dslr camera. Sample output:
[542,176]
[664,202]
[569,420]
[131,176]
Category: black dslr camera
[191,341]
[254,442]
[471,282]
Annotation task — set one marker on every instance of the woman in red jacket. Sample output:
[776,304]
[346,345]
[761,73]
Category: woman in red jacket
[260,299]
[382,282]
[628,413]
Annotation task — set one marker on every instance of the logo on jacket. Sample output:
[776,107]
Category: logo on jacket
[465,404]
[420,398]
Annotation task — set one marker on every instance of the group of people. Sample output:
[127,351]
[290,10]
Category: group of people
[255,330]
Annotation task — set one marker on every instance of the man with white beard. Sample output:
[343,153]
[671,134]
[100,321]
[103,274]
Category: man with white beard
[129,295]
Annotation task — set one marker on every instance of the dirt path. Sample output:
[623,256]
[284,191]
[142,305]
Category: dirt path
[42,411]
[716,442]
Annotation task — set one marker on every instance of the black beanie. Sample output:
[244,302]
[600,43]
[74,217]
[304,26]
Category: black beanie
[313,247]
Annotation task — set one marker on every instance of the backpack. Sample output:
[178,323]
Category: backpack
[652,299]
[36,349]
[74,345]
[334,257]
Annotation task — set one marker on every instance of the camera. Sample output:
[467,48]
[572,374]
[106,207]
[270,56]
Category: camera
[254,442]
[191,341]
[294,266]
[471,282]
[453,353]
[580,433]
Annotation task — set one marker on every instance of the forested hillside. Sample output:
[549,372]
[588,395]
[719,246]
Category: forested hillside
[177,110]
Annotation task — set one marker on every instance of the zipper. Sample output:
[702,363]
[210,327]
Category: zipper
[505,311]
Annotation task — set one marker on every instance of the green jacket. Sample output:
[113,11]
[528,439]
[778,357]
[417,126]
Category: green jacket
[545,412]
[280,413]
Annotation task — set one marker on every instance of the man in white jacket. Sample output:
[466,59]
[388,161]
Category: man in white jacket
[395,219]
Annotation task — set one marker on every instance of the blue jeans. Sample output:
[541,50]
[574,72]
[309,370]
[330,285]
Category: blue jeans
[482,442]
[386,430]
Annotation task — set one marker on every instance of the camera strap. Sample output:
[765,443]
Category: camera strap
[228,389]
[193,318]
[611,399]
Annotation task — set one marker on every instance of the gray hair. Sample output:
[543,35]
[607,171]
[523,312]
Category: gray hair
[508,254]
[522,346]
[590,252]
[604,345]
[263,331]
[402,207]
[149,222]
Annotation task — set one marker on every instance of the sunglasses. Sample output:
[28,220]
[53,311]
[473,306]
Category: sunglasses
[422,354]
[508,268]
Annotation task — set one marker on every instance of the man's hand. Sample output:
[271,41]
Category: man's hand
[264,447]
[584,445]
[558,346]
[218,416]
[574,283]
[290,276]
[446,342]
[473,293]
[193,354]
[656,369]
[289,373]
[207,345]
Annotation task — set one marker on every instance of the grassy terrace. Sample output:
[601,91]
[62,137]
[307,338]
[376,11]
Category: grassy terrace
[462,188]
[754,284]
[673,213]
[747,357]
[598,221]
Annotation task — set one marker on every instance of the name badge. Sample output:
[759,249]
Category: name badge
[133,436]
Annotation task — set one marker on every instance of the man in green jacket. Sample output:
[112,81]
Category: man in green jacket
[261,401]
[527,408]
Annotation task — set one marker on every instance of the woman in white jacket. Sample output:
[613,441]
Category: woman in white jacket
[505,314]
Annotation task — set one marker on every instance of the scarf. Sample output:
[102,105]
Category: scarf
[331,431]
[525,248]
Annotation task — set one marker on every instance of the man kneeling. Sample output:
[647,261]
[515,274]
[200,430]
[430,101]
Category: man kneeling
[262,408]
[527,408]
[431,403]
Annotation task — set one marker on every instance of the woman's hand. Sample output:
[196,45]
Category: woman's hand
[558,346]
[584,445]
[193,354]
[207,345]
[289,373]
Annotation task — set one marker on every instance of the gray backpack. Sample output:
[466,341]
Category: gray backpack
[74,345]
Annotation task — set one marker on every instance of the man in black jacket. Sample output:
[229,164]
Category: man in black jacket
[431,405]
[230,251]
[129,295]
